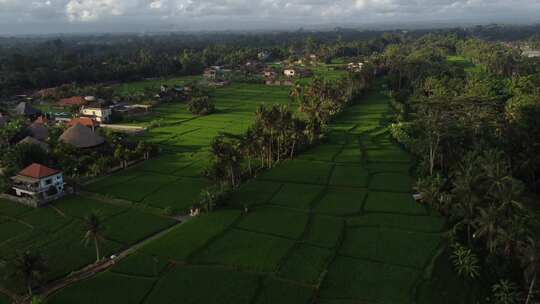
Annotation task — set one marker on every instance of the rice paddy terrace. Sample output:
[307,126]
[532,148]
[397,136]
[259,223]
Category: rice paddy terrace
[336,225]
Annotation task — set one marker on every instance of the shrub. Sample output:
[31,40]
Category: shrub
[201,106]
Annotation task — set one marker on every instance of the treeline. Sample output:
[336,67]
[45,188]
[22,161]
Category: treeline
[36,63]
[474,129]
[279,133]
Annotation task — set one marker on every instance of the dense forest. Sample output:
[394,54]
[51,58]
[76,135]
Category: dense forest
[468,109]
[28,63]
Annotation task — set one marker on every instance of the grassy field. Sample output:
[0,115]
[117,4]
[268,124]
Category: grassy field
[336,225]
[171,182]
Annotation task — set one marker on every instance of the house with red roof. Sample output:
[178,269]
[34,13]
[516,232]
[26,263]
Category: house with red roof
[39,183]
[85,121]
[75,101]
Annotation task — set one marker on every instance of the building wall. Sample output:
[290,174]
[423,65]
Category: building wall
[101,115]
[56,180]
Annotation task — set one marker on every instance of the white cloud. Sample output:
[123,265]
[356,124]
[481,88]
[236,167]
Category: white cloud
[92,10]
[230,12]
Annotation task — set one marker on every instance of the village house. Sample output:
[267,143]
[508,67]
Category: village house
[39,184]
[270,73]
[531,53]
[75,101]
[313,58]
[85,121]
[294,72]
[126,110]
[97,111]
[214,73]
[263,55]
[289,73]
[26,110]
[355,66]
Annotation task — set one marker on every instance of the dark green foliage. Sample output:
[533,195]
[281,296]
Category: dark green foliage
[201,105]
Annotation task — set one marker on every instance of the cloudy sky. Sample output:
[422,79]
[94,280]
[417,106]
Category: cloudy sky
[50,16]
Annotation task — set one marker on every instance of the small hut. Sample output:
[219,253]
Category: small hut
[38,131]
[32,141]
[81,137]
[25,109]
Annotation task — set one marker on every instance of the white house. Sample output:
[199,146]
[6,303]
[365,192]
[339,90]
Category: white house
[39,183]
[97,111]
[289,72]
[355,66]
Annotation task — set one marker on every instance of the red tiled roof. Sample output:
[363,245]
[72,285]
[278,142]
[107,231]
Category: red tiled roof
[38,171]
[72,101]
[85,121]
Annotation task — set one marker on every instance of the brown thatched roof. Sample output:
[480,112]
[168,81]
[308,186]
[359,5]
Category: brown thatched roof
[38,131]
[81,137]
[32,141]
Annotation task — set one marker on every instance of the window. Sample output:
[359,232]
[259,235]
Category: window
[48,181]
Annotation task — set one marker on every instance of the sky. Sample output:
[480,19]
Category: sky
[75,16]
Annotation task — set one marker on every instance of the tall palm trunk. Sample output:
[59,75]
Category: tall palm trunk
[531,290]
[96,244]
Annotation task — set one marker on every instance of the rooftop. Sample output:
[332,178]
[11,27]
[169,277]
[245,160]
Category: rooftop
[38,171]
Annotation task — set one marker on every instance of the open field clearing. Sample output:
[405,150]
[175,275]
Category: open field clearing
[57,232]
[337,217]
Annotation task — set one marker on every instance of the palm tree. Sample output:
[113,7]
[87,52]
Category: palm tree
[530,261]
[94,229]
[488,225]
[30,267]
[296,92]
[464,192]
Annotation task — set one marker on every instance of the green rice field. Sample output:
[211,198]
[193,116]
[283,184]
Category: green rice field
[336,225]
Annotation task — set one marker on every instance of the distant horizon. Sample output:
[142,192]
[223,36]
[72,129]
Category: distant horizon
[55,17]
[132,30]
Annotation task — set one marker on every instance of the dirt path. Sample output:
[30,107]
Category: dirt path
[105,264]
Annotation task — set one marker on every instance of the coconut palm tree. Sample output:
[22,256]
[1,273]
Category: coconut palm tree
[30,268]
[488,226]
[464,193]
[93,226]
[228,158]
[530,261]
[296,92]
